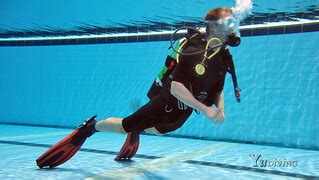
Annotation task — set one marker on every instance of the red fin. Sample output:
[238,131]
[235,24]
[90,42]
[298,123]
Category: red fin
[67,147]
[129,148]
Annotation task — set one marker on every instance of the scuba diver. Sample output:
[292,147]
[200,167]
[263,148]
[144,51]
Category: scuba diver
[192,79]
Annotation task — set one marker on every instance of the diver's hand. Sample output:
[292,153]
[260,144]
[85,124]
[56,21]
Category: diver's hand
[217,115]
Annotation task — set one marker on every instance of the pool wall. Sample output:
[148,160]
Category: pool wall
[62,85]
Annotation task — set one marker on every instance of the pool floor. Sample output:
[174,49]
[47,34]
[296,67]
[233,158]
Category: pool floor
[157,158]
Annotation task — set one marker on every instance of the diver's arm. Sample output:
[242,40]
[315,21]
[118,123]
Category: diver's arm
[219,102]
[183,94]
[220,105]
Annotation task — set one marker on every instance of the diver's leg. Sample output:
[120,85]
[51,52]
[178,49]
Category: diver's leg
[146,117]
[154,131]
[176,122]
[115,125]
[111,124]
[140,120]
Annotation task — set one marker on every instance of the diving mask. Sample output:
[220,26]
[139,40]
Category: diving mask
[229,24]
[230,28]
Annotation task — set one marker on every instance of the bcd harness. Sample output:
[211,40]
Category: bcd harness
[200,68]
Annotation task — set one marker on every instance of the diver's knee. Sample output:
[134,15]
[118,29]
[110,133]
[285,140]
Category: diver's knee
[157,133]
[154,131]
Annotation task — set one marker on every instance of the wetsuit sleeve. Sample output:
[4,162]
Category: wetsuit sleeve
[218,87]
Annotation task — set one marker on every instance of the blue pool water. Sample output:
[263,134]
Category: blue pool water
[51,85]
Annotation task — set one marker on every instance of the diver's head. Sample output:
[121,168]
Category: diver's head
[221,23]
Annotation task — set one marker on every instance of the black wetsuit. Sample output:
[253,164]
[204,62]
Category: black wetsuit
[165,112]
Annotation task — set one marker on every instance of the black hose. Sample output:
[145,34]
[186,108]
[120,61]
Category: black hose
[194,53]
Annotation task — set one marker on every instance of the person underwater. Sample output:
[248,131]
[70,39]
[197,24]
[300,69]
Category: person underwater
[192,80]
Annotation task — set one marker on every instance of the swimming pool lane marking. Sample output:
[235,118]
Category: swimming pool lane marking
[91,36]
[161,163]
[41,135]
[31,144]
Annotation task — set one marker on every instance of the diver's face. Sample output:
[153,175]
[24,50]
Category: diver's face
[222,27]
[226,22]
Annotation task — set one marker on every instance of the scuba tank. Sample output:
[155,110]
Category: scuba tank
[173,58]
